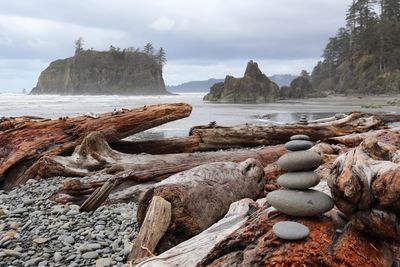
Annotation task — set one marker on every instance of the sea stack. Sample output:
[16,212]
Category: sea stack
[297,199]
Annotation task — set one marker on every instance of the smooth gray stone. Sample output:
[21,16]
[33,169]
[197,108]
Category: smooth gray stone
[298,180]
[90,255]
[296,145]
[300,203]
[299,161]
[300,137]
[290,230]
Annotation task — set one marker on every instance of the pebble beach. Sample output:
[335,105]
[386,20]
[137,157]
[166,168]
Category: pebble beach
[35,231]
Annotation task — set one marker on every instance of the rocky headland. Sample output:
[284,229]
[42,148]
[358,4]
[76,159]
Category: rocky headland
[92,72]
[253,87]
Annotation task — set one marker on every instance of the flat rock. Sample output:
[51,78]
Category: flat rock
[299,161]
[90,255]
[300,203]
[290,230]
[296,145]
[40,240]
[104,262]
[300,137]
[298,180]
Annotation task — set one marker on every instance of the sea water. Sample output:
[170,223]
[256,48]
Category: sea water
[54,106]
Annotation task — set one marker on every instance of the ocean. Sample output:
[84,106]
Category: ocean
[54,106]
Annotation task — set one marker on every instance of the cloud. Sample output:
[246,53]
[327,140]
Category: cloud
[207,38]
[162,24]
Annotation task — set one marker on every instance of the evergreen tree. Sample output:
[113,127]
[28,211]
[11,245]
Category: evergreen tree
[161,57]
[149,49]
[78,45]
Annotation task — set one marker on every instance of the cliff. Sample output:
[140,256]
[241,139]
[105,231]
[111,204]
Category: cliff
[254,87]
[103,72]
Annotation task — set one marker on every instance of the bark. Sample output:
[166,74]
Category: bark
[365,186]
[155,224]
[219,137]
[201,196]
[23,143]
[190,252]
[330,243]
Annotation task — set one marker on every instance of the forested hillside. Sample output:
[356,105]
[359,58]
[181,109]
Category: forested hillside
[364,56]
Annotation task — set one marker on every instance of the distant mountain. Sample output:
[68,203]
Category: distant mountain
[194,86]
[282,79]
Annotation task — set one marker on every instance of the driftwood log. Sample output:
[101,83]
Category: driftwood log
[94,155]
[330,243]
[214,137]
[365,184]
[24,141]
[190,252]
[155,224]
[202,196]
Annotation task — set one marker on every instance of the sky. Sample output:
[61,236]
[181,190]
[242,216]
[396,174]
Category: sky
[203,38]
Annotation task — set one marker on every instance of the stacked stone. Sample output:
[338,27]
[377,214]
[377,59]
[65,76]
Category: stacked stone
[296,199]
[303,119]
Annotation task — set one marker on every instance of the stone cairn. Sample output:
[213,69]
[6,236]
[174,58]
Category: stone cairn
[303,119]
[296,199]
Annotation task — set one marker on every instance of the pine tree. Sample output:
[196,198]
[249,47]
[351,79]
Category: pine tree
[161,57]
[149,49]
[79,45]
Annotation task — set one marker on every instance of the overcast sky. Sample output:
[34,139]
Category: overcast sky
[203,39]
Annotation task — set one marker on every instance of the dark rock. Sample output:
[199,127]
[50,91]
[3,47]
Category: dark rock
[299,161]
[254,87]
[296,145]
[298,180]
[290,230]
[300,203]
[299,88]
[300,137]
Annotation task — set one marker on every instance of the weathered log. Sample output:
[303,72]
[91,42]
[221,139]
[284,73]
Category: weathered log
[201,196]
[218,137]
[330,243]
[155,224]
[365,186]
[23,144]
[94,155]
[389,136]
[190,252]
[158,146]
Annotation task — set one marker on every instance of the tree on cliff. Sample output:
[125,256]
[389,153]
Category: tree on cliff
[78,45]
[364,55]
[161,57]
[149,49]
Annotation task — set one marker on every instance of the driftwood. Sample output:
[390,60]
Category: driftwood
[190,252]
[155,224]
[95,157]
[389,136]
[214,137]
[365,186]
[330,243]
[22,144]
[158,146]
[201,196]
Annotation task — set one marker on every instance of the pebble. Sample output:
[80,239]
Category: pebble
[298,180]
[40,240]
[296,145]
[299,161]
[290,230]
[300,203]
[104,262]
[90,255]
[299,137]
[57,256]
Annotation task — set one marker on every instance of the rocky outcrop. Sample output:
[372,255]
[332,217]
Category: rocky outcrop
[254,87]
[100,72]
[300,87]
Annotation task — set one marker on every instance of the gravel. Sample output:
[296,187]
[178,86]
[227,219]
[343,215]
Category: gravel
[35,231]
